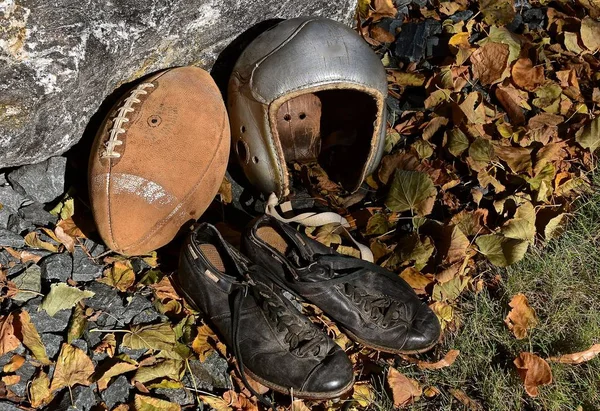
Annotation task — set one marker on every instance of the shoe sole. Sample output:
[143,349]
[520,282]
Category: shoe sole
[307,395]
[386,349]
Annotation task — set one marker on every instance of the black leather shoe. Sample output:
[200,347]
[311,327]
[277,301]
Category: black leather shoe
[273,342]
[374,306]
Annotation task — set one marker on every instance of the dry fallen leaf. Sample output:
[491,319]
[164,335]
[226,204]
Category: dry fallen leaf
[39,390]
[404,390]
[73,367]
[14,364]
[26,332]
[8,340]
[534,371]
[521,317]
[447,361]
[489,62]
[202,344]
[578,357]
[526,76]
[465,400]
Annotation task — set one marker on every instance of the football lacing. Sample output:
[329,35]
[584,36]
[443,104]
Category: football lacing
[117,128]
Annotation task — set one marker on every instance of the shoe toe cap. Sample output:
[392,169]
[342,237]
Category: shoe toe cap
[424,331]
[331,376]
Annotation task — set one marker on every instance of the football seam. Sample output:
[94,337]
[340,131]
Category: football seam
[162,222]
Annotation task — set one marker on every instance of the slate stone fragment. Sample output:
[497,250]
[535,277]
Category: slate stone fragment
[84,399]
[147,316]
[179,396]
[210,374]
[535,19]
[107,300]
[117,392]
[417,40]
[26,372]
[136,306]
[11,199]
[133,354]
[57,267]
[94,248]
[5,359]
[516,26]
[10,239]
[17,225]
[92,338]
[84,269]
[43,182]
[43,322]
[15,269]
[8,406]
[52,342]
[4,217]
[34,213]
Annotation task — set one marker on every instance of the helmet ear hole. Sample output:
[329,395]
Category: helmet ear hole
[242,151]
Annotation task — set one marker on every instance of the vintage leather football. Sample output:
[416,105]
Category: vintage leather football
[158,159]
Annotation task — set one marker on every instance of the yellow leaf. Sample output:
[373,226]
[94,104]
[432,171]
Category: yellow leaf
[39,390]
[415,279]
[363,394]
[73,367]
[145,403]
[117,369]
[33,241]
[201,344]
[26,332]
[404,390]
[120,275]
[14,364]
[590,33]
[218,404]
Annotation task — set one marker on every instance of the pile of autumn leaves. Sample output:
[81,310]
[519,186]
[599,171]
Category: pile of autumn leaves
[491,162]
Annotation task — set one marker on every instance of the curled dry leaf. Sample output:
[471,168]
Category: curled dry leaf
[73,367]
[447,361]
[578,357]
[404,390]
[416,280]
[26,332]
[14,364]
[534,371]
[521,317]
[465,400]
[8,340]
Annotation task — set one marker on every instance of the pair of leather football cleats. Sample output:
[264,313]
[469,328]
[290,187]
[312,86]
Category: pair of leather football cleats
[242,296]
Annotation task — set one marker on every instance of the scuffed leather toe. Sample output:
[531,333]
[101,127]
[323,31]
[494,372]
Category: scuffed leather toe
[332,375]
[424,332]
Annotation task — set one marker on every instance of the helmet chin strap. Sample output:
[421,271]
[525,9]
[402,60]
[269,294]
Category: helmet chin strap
[316,220]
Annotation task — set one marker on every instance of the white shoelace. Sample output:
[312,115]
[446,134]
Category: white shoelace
[316,220]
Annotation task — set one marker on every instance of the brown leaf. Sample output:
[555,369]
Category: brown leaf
[203,343]
[225,191]
[578,357]
[73,367]
[517,158]
[120,276]
[164,290]
[434,125]
[65,239]
[26,332]
[404,390]
[497,12]
[534,371]
[489,62]
[521,317]
[399,160]
[447,361]
[11,379]
[465,400]
[526,76]
[590,33]
[8,340]
[513,101]
[383,8]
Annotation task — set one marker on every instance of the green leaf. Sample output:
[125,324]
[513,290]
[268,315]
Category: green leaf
[412,248]
[497,12]
[589,136]
[62,297]
[411,191]
[423,148]
[520,229]
[378,224]
[501,251]
[458,142]
[391,139]
[546,175]
[184,329]
[151,337]
[29,283]
[450,290]
[481,153]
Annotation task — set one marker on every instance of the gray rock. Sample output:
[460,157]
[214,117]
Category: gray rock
[136,306]
[43,182]
[16,269]
[26,371]
[84,399]
[10,239]
[94,248]
[57,267]
[133,354]
[210,374]
[10,199]
[8,406]
[43,322]
[4,216]
[147,316]
[52,342]
[117,392]
[92,338]
[5,359]
[178,396]
[17,225]
[29,283]
[107,300]
[84,269]
[35,214]
[60,60]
